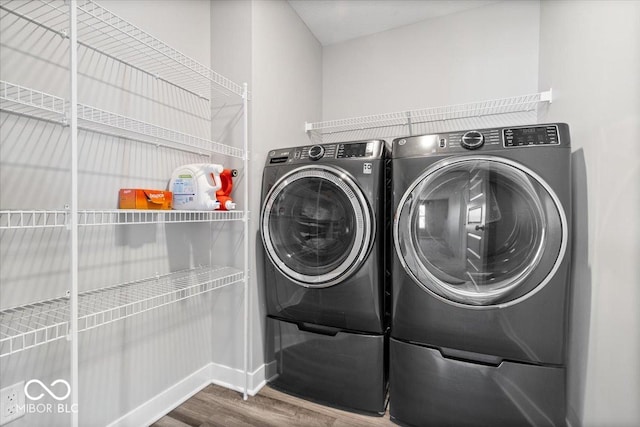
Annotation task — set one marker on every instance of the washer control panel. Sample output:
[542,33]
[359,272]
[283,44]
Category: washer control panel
[315,152]
[358,149]
[337,151]
[531,135]
[321,152]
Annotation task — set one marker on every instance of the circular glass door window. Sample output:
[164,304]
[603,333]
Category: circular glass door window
[473,230]
[316,225]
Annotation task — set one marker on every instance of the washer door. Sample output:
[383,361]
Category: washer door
[316,226]
[480,231]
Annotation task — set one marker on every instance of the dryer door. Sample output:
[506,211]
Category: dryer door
[316,225]
[480,231]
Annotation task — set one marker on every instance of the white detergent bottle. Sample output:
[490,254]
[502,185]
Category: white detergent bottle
[194,186]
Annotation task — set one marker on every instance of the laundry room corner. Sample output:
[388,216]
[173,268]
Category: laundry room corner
[266,44]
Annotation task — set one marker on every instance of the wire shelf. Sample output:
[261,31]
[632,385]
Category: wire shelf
[11,219]
[131,216]
[34,324]
[497,112]
[26,101]
[105,32]
[14,219]
[42,322]
[94,119]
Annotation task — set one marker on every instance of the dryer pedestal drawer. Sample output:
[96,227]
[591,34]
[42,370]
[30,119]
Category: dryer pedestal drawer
[328,365]
[429,389]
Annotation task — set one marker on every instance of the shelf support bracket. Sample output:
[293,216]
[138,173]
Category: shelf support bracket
[308,127]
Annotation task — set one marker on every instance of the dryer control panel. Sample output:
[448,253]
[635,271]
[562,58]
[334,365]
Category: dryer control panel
[372,149]
[480,140]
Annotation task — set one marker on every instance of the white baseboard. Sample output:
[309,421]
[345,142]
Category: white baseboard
[233,378]
[155,408]
[213,373]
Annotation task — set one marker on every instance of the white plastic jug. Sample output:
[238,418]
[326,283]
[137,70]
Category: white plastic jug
[194,186]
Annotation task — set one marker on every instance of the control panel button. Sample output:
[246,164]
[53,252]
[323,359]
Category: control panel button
[472,140]
[316,152]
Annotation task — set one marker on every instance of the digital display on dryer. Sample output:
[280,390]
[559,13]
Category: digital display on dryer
[535,135]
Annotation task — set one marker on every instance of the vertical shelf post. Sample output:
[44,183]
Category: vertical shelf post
[245,108]
[73,220]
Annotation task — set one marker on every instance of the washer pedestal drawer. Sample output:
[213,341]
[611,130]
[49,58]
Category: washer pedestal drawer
[328,365]
[428,389]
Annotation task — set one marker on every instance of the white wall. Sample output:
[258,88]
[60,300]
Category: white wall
[483,53]
[285,81]
[590,55]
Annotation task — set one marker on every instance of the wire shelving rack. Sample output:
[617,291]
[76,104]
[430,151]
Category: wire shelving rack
[510,111]
[88,25]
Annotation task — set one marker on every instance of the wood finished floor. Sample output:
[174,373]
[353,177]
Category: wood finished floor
[218,406]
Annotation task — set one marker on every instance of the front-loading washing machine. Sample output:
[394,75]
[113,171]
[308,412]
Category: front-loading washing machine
[481,276]
[324,225]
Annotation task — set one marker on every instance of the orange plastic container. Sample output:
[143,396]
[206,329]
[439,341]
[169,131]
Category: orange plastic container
[224,193]
[137,198]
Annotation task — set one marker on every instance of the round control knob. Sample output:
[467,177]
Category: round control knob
[316,152]
[472,140]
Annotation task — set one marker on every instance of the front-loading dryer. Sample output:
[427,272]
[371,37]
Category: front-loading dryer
[323,224]
[481,276]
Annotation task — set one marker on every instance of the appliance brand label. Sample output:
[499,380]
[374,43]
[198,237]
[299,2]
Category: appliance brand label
[367,168]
